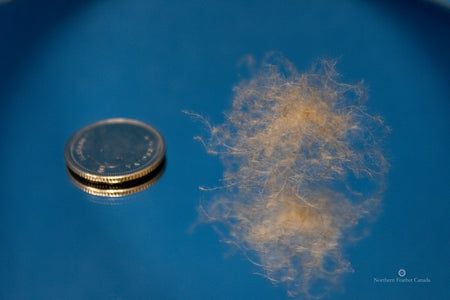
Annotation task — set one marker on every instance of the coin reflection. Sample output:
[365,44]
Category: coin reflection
[118,189]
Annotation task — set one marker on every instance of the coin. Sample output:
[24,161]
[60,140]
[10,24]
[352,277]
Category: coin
[114,151]
[119,189]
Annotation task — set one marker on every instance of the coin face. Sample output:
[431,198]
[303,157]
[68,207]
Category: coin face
[114,151]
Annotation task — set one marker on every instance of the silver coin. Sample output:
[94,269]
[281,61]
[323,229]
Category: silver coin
[119,189]
[114,151]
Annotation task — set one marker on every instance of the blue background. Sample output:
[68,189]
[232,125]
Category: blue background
[65,64]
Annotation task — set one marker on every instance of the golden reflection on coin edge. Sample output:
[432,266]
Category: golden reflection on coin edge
[115,193]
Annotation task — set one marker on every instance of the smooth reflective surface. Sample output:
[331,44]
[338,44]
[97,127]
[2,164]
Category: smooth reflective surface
[66,64]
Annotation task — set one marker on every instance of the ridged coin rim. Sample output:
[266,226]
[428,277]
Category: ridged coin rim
[114,192]
[83,172]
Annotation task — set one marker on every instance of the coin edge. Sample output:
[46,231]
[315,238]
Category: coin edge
[71,164]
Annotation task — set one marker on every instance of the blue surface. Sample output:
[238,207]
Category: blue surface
[67,64]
